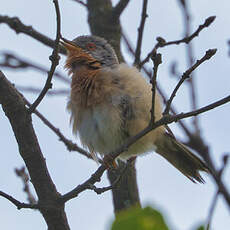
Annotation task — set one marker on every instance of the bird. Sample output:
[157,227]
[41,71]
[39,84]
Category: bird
[110,102]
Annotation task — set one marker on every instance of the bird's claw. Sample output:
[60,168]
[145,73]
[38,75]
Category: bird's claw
[109,162]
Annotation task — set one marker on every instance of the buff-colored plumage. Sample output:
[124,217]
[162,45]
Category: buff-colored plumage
[111,102]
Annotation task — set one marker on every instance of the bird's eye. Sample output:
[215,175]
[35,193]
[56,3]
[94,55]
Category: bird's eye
[91,46]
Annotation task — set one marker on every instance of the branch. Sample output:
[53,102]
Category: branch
[201,110]
[14,108]
[14,62]
[119,8]
[54,59]
[96,177]
[186,40]
[209,53]
[113,185]
[140,33]
[156,62]
[162,43]
[25,178]
[15,24]
[89,184]
[17,203]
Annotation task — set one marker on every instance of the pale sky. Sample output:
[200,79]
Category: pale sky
[184,204]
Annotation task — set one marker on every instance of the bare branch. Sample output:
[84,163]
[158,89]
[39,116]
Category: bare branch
[15,62]
[17,203]
[201,110]
[54,59]
[187,39]
[162,43]
[15,24]
[186,75]
[96,177]
[113,185]
[14,108]
[156,58]
[140,33]
[119,8]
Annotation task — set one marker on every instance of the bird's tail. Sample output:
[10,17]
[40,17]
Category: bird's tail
[181,158]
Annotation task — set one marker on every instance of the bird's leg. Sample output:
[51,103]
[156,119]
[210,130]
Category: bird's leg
[109,161]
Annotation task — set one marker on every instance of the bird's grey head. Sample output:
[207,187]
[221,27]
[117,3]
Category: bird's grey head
[98,48]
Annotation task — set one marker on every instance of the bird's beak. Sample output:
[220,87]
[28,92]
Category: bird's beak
[70,46]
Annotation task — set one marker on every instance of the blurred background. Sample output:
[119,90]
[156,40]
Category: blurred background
[184,204]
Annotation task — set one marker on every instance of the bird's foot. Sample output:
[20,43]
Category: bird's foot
[109,162]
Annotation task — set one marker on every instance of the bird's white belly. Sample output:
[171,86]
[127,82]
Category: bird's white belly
[100,129]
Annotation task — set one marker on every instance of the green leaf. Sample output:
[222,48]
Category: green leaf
[139,219]
[201,228]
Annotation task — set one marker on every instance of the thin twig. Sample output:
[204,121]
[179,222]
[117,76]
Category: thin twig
[140,33]
[17,203]
[89,184]
[25,180]
[113,185]
[187,39]
[119,8]
[209,53]
[162,43]
[156,58]
[15,24]
[95,177]
[15,62]
[201,110]
[54,59]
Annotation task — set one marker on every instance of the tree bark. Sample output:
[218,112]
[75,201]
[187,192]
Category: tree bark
[126,192]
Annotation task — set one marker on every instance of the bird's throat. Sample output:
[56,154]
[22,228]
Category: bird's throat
[83,85]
